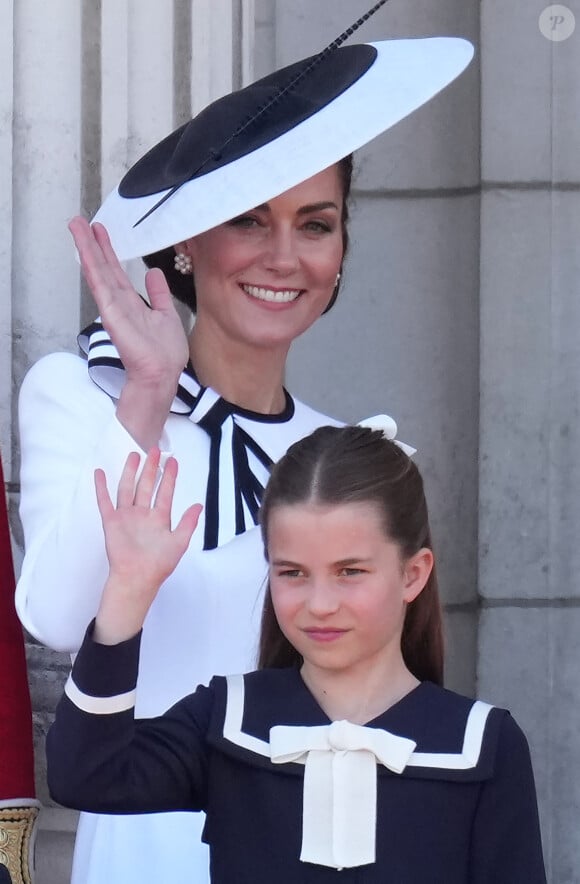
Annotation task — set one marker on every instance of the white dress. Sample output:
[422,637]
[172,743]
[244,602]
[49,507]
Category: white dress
[205,620]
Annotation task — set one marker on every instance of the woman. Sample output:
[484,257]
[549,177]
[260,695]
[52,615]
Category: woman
[251,196]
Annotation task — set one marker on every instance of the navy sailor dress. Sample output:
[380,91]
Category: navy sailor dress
[438,789]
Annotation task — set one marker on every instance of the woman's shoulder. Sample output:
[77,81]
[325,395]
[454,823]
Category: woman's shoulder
[310,418]
[61,381]
[57,371]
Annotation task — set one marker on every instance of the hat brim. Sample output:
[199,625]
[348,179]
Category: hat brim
[404,75]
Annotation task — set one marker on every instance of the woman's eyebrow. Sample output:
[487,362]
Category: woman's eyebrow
[303,210]
[317,207]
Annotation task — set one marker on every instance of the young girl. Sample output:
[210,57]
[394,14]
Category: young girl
[342,752]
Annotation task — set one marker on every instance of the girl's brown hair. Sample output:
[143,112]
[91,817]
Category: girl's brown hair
[338,465]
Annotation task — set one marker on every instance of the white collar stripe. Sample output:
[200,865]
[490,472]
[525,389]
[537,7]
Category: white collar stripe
[467,759]
[234,716]
[230,478]
[99,705]
[472,742]
[205,403]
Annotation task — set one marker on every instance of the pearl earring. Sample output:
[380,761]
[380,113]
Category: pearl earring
[183,263]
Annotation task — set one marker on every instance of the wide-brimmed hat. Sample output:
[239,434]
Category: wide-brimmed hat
[255,143]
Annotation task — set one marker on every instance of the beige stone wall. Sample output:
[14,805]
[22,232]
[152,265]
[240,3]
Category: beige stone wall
[119,75]
[528,648]
[459,313]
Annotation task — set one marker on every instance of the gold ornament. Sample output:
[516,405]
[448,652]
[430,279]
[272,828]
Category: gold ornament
[17,841]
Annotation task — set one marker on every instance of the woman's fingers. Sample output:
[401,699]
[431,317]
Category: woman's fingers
[109,256]
[156,285]
[99,263]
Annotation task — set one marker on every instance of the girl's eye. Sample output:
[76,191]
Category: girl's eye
[290,572]
[351,572]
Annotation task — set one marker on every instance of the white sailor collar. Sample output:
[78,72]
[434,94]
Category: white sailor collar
[455,737]
[271,720]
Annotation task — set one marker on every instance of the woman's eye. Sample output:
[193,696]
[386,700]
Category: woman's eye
[243,221]
[290,572]
[351,572]
[318,227]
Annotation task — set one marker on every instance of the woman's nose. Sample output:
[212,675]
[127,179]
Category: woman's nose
[282,254]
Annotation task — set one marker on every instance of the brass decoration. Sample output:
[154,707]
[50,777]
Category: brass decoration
[16,828]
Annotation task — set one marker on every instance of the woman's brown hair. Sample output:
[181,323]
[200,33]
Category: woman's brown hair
[338,465]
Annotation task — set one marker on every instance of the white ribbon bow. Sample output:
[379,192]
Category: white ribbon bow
[386,423]
[339,812]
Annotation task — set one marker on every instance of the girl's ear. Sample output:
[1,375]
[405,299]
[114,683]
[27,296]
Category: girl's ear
[416,574]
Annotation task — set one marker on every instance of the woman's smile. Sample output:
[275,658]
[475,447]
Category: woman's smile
[270,294]
[263,278]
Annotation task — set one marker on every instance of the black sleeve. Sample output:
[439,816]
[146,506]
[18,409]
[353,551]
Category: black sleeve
[506,840]
[104,760]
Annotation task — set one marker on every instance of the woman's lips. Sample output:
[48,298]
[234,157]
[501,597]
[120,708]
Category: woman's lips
[270,295]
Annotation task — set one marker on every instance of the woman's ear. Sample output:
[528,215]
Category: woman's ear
[416,573]
[182,258]
[182,248]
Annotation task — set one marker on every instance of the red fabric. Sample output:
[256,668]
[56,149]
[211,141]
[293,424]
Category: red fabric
[16,752]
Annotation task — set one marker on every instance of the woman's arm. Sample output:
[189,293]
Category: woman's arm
[68,428]
[150,341]
[506,839]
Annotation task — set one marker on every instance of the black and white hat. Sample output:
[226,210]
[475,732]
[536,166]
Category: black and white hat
[254,144]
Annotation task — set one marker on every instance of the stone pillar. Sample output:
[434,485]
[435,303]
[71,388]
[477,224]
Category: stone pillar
[119,76]
[403,337]
[530,401]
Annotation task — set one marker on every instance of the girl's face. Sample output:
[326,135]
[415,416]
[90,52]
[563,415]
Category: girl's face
[340,586]
[264,277]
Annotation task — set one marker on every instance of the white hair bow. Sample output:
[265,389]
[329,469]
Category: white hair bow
[386,423]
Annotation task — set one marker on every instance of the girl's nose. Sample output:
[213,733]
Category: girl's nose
[323,599]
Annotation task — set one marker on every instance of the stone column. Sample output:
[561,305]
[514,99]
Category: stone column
[119,76]
[529,656]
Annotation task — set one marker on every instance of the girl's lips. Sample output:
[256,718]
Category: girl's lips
[324,635]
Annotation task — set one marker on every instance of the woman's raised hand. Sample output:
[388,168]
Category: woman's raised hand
[151,342]
[142,548]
